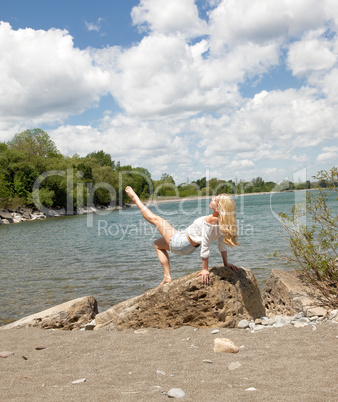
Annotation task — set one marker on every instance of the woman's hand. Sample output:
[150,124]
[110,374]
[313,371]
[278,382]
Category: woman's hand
[205,276]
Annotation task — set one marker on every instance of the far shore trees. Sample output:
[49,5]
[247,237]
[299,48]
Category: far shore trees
[96,177]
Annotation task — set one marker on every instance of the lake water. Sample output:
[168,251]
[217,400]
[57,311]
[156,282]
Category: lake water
[111,255]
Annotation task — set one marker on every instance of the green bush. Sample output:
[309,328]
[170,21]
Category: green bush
[313,245]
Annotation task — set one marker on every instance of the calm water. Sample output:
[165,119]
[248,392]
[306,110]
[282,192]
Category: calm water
[111,256]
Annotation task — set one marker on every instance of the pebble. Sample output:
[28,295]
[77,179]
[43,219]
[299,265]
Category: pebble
[160,372]
[243,324]
[140,331]
[40,347]
[234,365]
[207,361]
[79,381]
[251,389]
[224,345]
[298,324]
[176,393]
[6,354]
[215,331]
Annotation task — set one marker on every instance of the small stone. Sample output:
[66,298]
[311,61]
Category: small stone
[280,320]
[25,357]
[224,345]
[258,321]
[299,315]
[259,327]
[315,317]
[6,354]
[90,326]
[299,324]
[40,347]
[176,393]
[252,325]
[251,389]
[314,328]
[320,311]
[140,331]
[333,314]
[215,331]
[79,381]
[304,319]
[243,324]
[160,372]
[207,361]
[234,365]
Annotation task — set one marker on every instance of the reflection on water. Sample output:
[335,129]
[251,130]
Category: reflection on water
[111,256]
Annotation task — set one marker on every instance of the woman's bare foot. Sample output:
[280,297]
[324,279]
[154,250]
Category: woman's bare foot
[130,193]
[166,280]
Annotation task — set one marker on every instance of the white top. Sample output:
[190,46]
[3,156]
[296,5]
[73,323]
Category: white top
[204,233]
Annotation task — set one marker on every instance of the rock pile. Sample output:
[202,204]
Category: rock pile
[21,215]
[277,321]
[287,293]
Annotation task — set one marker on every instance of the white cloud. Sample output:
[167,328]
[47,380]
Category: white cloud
[262,21]
[328,157]
[167,17]
[311,55]
[43,78]
[94,26]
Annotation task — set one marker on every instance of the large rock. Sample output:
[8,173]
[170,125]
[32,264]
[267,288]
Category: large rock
[288,293]
[6,216]
[71,315]
[232,296]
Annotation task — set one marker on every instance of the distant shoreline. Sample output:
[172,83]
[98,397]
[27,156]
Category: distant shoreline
[203,197]
[35,215]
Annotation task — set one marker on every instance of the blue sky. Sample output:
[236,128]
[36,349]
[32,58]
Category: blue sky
[190,88]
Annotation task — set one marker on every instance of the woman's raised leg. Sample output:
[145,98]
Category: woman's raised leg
[165,229]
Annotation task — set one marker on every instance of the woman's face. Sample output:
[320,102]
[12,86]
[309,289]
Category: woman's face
[214,203]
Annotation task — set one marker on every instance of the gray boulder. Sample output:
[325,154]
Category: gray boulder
[72,315]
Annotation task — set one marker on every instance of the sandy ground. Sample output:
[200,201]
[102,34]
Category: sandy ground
[282,364]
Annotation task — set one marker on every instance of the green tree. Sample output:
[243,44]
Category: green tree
[34,143]
[313,247]
[102,158]
[201,183]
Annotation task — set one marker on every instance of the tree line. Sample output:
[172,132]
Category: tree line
[33,171]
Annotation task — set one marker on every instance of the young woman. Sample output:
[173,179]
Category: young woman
[221,225]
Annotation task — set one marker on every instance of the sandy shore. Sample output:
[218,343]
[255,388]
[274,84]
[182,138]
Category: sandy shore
[282,364]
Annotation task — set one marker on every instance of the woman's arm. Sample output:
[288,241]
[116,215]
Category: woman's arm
[225,261]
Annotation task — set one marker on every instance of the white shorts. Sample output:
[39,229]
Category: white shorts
[179,244]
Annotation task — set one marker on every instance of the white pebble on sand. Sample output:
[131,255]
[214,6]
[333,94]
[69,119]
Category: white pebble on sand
[234,365]
[79,381]
[176,393]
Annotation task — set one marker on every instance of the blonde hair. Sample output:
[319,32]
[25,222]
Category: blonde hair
[227,221]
